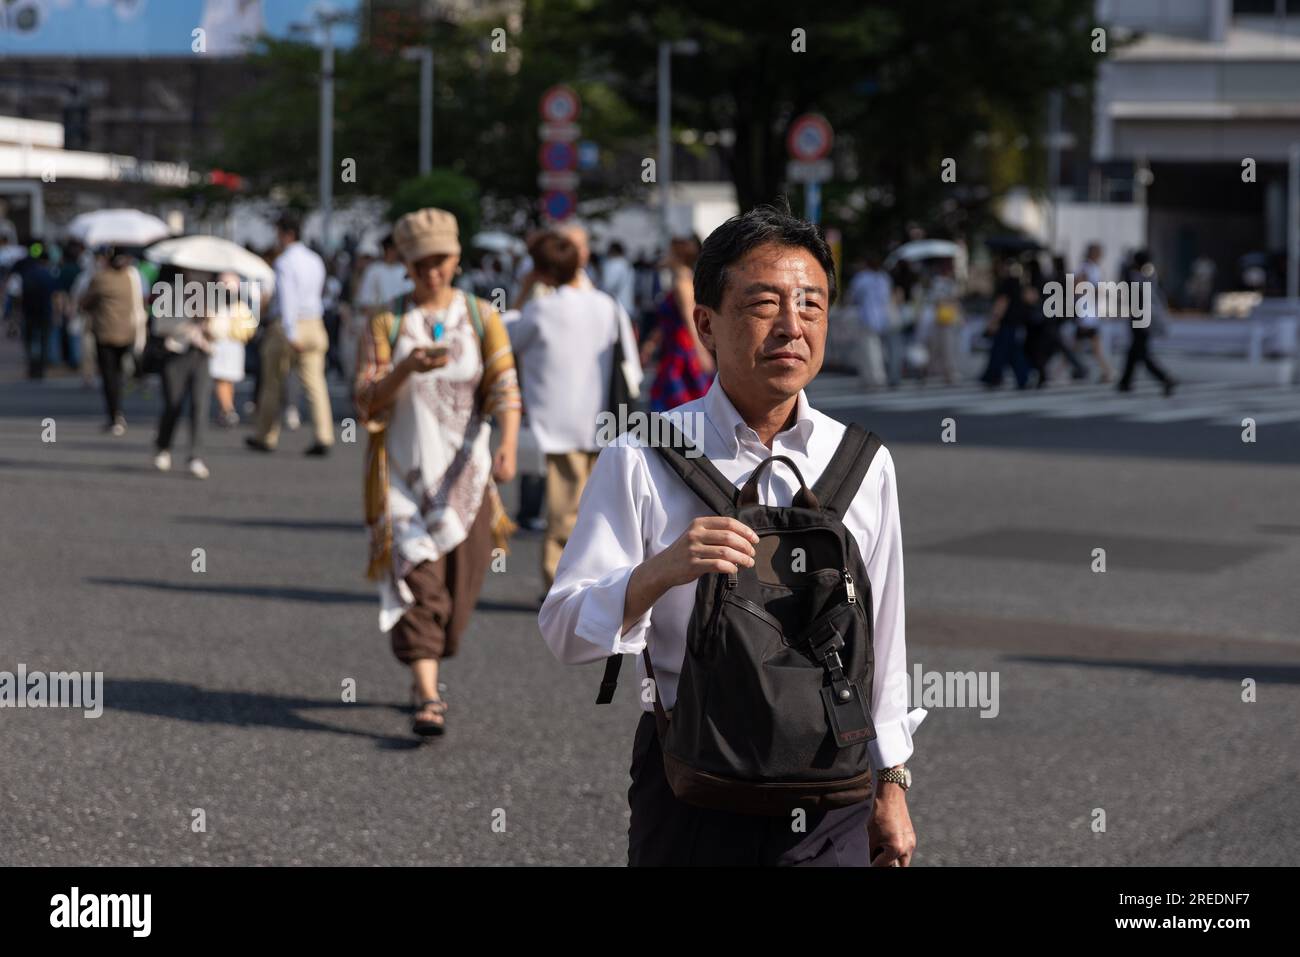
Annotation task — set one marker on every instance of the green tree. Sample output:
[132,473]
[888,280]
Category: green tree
[444,189]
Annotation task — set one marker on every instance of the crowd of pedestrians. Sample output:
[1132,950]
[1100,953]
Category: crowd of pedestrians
[911,321]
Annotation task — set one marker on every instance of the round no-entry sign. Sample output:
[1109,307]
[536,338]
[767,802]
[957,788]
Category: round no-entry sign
[810,137]
[559,156]
[560,104]
[559,204]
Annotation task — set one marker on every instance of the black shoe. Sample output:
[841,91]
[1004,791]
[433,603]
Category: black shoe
[318,450]
[257,445]
[1170,385]
[1124,387]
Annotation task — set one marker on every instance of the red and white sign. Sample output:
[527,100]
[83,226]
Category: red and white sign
[560,104]
[810,138]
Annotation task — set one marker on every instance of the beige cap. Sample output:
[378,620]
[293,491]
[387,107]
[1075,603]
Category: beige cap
[426,232]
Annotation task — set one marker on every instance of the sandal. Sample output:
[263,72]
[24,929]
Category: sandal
[430,727]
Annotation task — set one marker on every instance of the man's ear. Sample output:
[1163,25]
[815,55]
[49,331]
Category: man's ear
[704,326]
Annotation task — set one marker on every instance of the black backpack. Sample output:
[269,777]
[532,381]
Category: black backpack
[774,702]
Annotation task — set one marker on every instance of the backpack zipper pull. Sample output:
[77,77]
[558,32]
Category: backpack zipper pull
[848,585]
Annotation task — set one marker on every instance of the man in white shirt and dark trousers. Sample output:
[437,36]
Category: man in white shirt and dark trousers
[564,344]
[764,283]
[297,341]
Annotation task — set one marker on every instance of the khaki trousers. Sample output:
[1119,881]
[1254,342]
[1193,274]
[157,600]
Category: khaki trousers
[278,358]
[566,476]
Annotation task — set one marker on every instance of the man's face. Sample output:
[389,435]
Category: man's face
[769,334]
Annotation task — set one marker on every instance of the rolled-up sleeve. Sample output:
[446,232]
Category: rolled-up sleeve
[582,616]
[894,725]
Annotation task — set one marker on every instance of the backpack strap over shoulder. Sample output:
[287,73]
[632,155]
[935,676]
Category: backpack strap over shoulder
[839,481]
[472,301]
[700,475]
[395,328]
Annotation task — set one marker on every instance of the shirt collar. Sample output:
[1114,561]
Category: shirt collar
[731,428]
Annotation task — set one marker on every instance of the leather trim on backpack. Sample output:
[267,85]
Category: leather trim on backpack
[703,789]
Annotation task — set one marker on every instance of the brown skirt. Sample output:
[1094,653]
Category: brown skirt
[445,592]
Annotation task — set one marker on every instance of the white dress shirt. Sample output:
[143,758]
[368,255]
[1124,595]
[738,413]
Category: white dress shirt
[634,507]
[299,286]
[381,283]
[564,342]
[618,279]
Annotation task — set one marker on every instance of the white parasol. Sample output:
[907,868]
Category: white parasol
[118,227]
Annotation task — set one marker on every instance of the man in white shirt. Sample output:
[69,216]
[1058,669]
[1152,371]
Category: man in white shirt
[871,293]
[297,341]
[764,283]
[618,278]
[564,344]
[383,281]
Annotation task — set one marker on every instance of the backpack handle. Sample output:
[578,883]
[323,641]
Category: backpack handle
[749,493]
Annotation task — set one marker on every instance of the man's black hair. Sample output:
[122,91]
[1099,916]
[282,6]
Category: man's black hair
[616,248]
[290,223]
[762,225]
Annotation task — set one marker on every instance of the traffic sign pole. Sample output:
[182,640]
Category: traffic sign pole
[812,201]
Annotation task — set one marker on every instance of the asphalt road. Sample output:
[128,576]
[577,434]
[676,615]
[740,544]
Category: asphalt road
[223,689]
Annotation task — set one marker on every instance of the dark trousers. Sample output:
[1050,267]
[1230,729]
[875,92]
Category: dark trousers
[184,374]
[1139,352]
[109,359]
[665,831]
[1006,350]
[36,340]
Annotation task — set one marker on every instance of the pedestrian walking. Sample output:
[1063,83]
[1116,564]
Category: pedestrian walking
[432,371]
[297,342]
[114,304]
[684,368]
[36,286]
[1143,270]
[943,298]
[565,343]
[871,293]
[618,278]
[629,582]
[1087,318]
[186,382]
[1006,327]
[230,329]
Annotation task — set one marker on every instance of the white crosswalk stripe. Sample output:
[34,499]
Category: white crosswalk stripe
[1219,403]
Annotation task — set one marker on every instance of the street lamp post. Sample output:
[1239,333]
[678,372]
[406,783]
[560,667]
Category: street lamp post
[425,56]
[325,21]
[664,172]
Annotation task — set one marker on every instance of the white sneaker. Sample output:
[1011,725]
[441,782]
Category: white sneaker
[198,469]
[292,420]
[118,428]
[163,461]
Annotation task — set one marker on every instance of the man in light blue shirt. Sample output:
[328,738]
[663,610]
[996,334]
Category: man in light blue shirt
[295,340]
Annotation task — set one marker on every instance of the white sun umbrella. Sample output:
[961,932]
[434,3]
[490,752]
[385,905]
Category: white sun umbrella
[215,255]
[497,242]
[118,227]
[924,249]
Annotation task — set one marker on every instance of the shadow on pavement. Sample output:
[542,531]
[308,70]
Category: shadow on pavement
[316,595]
[48,466]
[186,702]
[297,525]
[1220,670]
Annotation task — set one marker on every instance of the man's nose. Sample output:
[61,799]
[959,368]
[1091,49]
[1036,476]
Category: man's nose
[787,324]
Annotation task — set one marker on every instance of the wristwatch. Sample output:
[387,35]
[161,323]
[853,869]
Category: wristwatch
[900,775]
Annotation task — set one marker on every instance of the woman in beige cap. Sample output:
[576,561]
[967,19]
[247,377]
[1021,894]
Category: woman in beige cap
[432,368]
